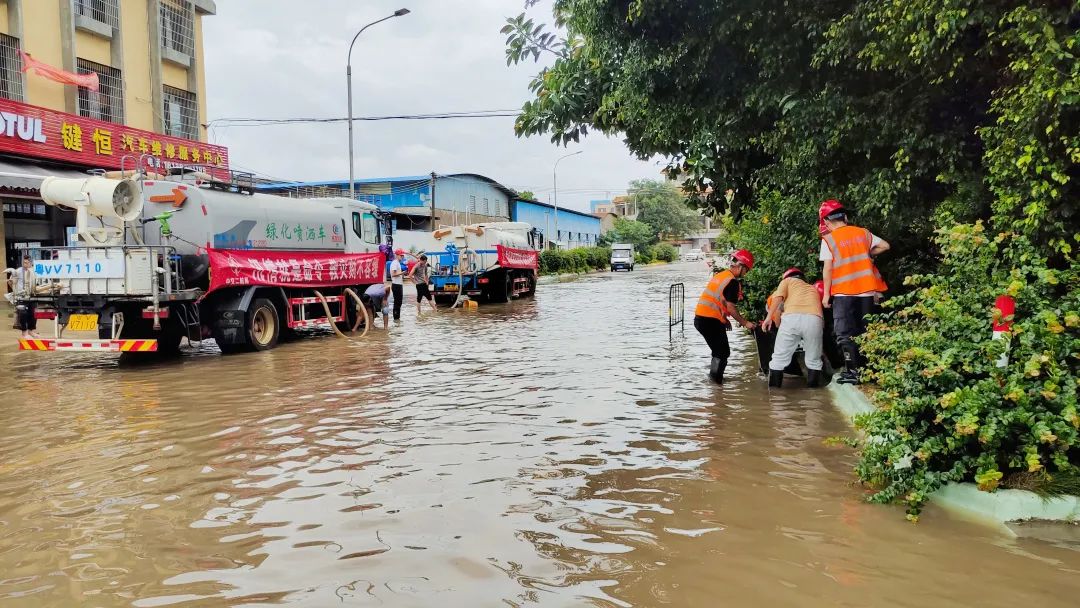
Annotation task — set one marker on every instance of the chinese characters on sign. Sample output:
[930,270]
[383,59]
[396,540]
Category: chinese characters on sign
[518,258]
[286,232]
[292,269]
[38,132]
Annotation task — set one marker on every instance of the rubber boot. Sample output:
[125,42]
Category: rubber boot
[850,375]
[776,378]
[813,378]
[716,370]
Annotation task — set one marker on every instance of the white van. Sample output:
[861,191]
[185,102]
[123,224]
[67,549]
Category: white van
[622,257]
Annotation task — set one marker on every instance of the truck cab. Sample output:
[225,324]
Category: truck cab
[622,257]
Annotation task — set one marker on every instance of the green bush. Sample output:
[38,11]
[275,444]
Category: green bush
[599,257]
[581,259]
[643,256]
[665,252]
[945,411]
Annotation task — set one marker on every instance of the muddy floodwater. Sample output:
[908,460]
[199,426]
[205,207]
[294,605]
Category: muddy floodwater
[551,452]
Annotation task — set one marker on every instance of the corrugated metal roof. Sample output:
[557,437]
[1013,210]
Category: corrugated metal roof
[344,182]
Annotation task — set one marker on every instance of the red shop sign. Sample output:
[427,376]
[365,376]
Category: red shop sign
[38,132]
[233,267]
[518,258]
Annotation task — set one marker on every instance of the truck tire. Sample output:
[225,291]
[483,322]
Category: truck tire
[500,287]
[261,331]
[263,325]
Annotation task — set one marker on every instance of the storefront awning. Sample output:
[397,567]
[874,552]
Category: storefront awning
[24,177]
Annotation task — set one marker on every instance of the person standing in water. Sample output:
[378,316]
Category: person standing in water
[421,276]
[714,307]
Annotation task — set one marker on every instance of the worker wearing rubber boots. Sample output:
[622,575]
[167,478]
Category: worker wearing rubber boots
[802,321]
[717,302]
[852,281]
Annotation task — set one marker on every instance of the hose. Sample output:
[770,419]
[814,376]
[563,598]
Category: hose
[330,317]
[360,306]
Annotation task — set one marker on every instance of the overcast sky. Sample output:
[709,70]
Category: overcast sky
[286,59]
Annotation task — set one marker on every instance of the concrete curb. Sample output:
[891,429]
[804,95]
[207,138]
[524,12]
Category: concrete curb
[965,500]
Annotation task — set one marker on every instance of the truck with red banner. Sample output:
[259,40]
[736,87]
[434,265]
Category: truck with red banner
[160,258]
[492,262]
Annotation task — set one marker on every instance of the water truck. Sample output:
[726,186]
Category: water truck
[162,258]
[492,262]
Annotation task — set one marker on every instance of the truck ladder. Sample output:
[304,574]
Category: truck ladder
[298,318]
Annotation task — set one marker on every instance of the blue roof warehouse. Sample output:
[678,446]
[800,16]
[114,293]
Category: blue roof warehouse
[459,198]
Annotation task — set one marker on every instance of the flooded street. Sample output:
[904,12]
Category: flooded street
[554,452]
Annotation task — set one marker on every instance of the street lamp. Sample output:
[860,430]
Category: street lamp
[348,79]
[555,183]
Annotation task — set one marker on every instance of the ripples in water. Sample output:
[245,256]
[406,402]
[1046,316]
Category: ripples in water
[558,452]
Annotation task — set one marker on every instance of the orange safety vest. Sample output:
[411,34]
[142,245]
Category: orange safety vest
[711,302]
[853,272]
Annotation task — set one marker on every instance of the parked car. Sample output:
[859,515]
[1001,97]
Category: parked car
[694,255]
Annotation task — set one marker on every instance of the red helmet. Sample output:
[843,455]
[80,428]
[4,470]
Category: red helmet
[401,252]
[820,286]
[828,207]
[791,271]
[745,258]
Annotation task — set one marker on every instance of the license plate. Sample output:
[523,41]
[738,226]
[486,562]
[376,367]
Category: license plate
[82,322]
[450,287]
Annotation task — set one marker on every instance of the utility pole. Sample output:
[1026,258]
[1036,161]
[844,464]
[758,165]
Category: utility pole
[555,184]
[431,186]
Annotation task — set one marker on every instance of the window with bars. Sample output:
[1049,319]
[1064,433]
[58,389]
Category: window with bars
[487,207]
[102,11]
[107,103]
[181,113]
[11,82]
[178,26]
[472,204]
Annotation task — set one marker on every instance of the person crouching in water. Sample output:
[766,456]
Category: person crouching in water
[802,321]
[380,298]
[714,306]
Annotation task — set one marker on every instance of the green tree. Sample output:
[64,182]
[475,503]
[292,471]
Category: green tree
[662,205]
[927,117]
[527,195]
[639,234]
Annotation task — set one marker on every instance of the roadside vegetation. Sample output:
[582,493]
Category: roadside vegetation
[951,127]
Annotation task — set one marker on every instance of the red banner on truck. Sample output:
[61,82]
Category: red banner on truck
[518,258]
[311,269]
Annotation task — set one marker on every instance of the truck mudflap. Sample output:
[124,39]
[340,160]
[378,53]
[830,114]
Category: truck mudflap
[112,346]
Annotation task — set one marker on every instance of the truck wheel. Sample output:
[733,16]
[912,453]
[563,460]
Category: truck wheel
[500,287]
[263,325]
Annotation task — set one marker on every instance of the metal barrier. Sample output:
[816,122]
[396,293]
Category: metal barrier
[676,307]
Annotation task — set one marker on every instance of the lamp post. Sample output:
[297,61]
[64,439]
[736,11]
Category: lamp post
[348,80]
[555,184]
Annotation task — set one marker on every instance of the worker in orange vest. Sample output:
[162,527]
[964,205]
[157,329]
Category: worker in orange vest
[714,306]
[852,281]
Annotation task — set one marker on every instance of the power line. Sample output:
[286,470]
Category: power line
[263,122]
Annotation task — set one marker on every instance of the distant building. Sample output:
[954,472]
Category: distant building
[596,203]
[127,82]
[459,198]
[575,228]
[607,222]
